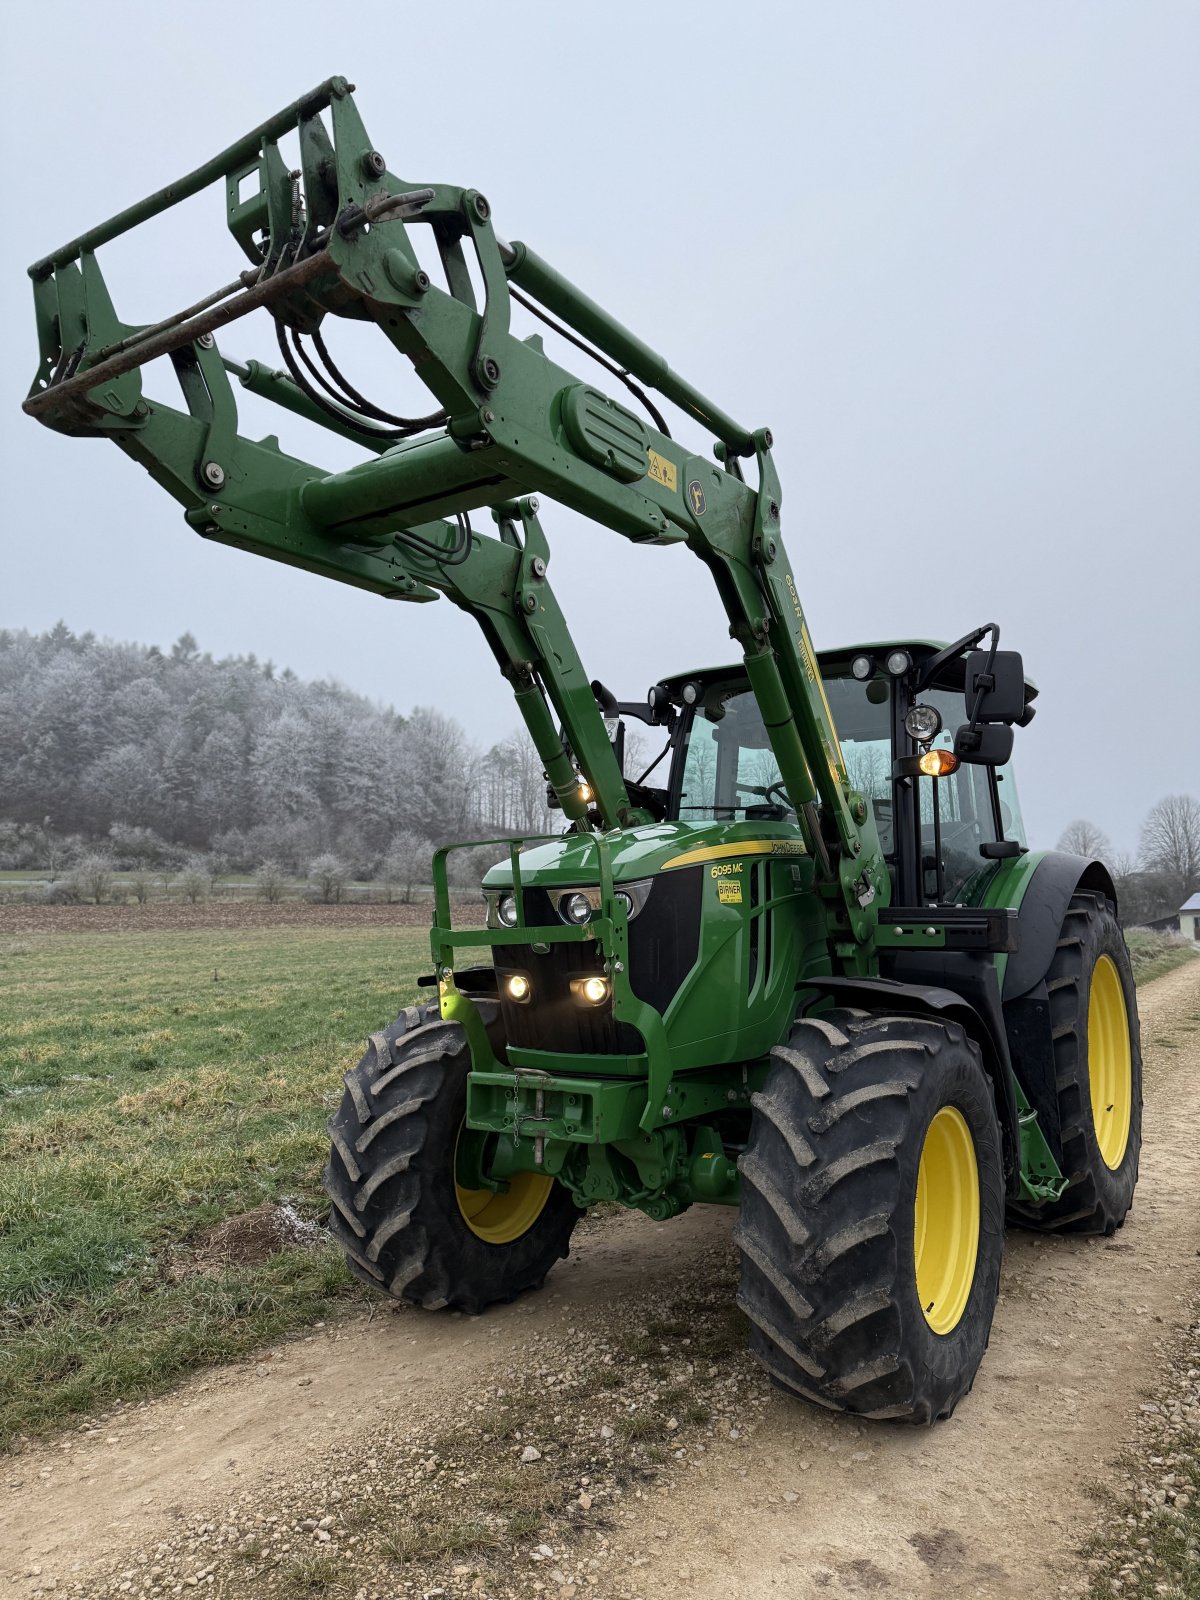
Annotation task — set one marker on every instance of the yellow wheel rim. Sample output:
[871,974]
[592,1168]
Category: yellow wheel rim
[501,1218]
[1110,1062]
[946,1220]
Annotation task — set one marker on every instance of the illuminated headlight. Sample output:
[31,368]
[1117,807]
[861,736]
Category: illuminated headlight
[585,791]
[506,911]
[517,987]
[592,990]
[576,908]
[923,723]
[898,663]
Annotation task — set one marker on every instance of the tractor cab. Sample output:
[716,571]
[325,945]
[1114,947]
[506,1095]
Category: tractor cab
[941,819]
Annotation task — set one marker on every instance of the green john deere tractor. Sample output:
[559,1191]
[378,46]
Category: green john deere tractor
[803,965]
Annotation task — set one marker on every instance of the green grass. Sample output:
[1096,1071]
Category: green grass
[1154,954]
[151,1086]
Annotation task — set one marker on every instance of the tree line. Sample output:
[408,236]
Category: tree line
[129,757]
[151,759]
[1166,869]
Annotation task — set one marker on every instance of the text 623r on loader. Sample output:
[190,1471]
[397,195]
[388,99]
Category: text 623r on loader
[811,971]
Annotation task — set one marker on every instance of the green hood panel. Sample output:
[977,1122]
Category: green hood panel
[640,852]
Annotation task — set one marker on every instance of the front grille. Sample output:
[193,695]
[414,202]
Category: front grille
[553,1019]
[664,939]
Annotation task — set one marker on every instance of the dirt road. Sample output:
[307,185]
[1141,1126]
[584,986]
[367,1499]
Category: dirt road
[777,1500]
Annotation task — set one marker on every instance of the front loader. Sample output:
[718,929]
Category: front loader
[810,971]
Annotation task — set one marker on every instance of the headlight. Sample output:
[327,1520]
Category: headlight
[923,723]
[576,908]
[506,911]
[594,990]
[584,903]
[898,662]
[517,987]
[862,668]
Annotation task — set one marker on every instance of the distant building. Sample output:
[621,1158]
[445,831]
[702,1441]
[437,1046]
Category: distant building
[1189,919]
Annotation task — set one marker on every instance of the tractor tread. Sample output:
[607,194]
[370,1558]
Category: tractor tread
[825,1283]
[1097,1198]
[799,1062]
[779,1113]
[893,1088]
[390,1178]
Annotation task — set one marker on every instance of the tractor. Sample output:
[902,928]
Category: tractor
[804,964]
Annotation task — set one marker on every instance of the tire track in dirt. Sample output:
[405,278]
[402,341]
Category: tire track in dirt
[69,1505]
[995,1502]
[802,1503]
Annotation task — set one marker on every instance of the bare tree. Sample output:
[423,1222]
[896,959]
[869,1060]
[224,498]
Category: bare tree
[466,868]
[192,880]
[92,878]
[1084,838]
[406,864]
[328,876]
[1170,841]
[141,882]
[270,880]
[52,848]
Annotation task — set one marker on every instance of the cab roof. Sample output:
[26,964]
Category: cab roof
[836,662]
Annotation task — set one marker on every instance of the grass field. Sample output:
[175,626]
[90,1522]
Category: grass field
[1153,954]
[151,1086]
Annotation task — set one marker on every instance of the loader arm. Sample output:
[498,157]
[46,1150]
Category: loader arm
[335,236]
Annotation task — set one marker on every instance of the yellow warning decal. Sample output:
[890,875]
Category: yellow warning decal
[729,892]
[664,471]
[837,761]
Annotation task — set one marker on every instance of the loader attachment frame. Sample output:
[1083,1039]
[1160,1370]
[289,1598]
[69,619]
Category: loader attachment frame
[335,236]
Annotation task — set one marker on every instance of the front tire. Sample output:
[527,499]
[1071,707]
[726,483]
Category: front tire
[872,1220]
[407,1226]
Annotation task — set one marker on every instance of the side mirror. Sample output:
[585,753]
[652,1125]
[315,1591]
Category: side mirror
[987,746]
[997,695]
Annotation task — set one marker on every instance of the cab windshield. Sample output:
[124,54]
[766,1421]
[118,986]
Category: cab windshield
[729,771]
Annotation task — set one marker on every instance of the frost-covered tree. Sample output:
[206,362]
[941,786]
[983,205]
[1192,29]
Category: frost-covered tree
[406,863]
[328,876]
[118,743]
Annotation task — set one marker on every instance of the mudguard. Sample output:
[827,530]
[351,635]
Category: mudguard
[1040,914]
[972,1001]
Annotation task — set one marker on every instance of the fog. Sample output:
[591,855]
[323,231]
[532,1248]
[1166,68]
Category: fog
[948,253]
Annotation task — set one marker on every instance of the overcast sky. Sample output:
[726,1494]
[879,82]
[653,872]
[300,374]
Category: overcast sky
[949,253]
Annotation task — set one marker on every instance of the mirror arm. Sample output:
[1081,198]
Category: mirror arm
[952,651]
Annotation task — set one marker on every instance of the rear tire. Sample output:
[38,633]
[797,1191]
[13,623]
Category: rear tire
[866,1291]
[406,1227]
[1097,1072]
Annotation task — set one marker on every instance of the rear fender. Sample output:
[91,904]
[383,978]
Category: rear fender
[1040,914]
